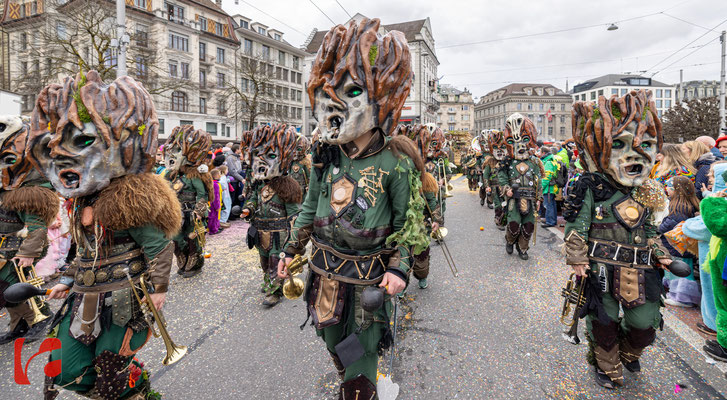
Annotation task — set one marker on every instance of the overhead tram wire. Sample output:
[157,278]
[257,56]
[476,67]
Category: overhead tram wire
[344,9]
[319,9]
[689,54]
[304,34]
[685,46]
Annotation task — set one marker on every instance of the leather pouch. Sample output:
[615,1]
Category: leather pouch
[349,350]
[326,301]
[251,237]
[629,286]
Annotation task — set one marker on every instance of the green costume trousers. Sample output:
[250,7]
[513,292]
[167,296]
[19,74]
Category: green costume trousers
[77,358]
[641,317]
[367,365]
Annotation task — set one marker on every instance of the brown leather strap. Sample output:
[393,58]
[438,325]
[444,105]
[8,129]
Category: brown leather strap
[349,256]
[111,260]
[90,309]
[344,279]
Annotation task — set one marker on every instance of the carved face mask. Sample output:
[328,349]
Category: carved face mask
[342,122]
[174,158]
[519,136]
[302,146]
[498,147]
[265,163]
[626,166]
[14,167]
[186,147]
[437,144]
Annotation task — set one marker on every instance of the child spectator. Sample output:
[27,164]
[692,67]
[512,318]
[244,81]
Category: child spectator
[213,226]
[674,163]
[226,198]
[683,204]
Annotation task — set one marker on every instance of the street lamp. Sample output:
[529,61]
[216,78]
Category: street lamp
[612,27]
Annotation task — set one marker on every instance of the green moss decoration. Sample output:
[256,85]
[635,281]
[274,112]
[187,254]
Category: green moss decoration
[596,115]
[413,234]
[83,114]
[373,52]
[581,124]
[645,113]
[615,111]
[107,120]
[141,129]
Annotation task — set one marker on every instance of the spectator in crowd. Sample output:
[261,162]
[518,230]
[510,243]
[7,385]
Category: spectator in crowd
[219,157]
[159,167]
[234,167]
[715,182]
[659,157]
[563,154]
[226,198]
[721,145]
[673,163]
[213,221]
[710,143]
[549,187]
[701,158]
[683,204]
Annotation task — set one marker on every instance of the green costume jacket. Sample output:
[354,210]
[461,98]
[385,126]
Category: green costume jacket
[527,175]
[271,211]
[300,171]
[551,169]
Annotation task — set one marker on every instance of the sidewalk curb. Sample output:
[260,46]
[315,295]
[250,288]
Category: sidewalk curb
[675,324]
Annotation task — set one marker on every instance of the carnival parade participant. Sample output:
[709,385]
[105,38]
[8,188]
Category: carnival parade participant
[482,159]
[436,164]
[492,166]
[300,166]
[184,155]
[273,200]
[363,213]
[96,143]
[421,136]
[520,178]
[610,236]
[27,207]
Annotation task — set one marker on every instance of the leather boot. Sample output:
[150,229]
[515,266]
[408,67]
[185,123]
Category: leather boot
[633,344]
[606,351]
[358,388]
[511,236]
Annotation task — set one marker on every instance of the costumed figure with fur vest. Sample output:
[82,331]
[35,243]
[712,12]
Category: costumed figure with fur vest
[300,166]
[184,155]
[273,201]
[96,143]
[422,138]
[611,239]
[492,166]
[27,205]
[483,159]
[364,211]
[520,177]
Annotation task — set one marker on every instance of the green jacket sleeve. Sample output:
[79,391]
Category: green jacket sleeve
[576,233]
[502,177]
[486,172]
[399,194]
[150,238]
[158,250]
[199,188]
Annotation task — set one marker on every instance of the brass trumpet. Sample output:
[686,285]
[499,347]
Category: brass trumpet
[294,286]
[35,302]
[574,300]
[174,352]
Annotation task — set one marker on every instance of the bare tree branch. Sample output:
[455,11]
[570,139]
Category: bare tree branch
[687,121]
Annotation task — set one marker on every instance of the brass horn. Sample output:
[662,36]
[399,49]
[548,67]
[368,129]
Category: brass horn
[174,352]
[574,300]
[442,169]
[36,303]
[294,286]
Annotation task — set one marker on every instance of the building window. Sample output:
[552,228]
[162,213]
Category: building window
[202,50]
[285,75]
[220,55]
[298,78]
[218,29]
[465,108]
[277,36]
[593,95]
[220,80]
[244,85]
[451,118]
[244,24]
[519,106]
[60,30]
[667,103]
[24,68]
[176,13]
[550,131]
[203,24]
[172,69]
[212,128]
[185,122]
[614,91]
[248,47]
[221,106]
[179,101]
[266,52]
[542,106]
[23,41]
[658,104]
[562,107]
[451,127]
[161,126]
[202,78]
[260,30]
[281,58]
[530,106]
[562,119]
[202,105]
[141,67]
[667,93]
[659,93]
[296,62]
[28,102]
[178,42]
[562,131]
[184,70]
[142,35]
[600,92]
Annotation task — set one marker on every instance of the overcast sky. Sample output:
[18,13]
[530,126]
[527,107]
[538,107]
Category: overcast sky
[576,55]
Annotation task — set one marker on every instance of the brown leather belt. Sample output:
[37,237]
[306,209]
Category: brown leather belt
[111,260]
[611,252]
[344,279]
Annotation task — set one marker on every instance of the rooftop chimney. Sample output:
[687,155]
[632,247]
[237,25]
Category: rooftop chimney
[219,3]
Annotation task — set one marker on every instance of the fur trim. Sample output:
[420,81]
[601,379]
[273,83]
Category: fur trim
[35,200]
[206,178]
[287,188]
[489,161]
[306,162]
[429,183]
[403,145]
[135,200]
[540,165]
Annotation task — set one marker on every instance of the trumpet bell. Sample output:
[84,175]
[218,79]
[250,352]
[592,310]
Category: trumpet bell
[440,234]
[174,354]
[293,288]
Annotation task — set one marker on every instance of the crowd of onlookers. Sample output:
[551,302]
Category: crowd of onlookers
[688,172]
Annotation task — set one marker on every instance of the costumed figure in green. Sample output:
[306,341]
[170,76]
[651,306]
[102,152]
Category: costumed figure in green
[497,148]
[520,177]
[364,213]
[273,202]
[436,164]
[610,236]
[27,206]
[422,137]
[469,165]
[483,158]
[96,143]
[300,167]
[184,155]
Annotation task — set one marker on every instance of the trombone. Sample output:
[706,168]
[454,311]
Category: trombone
[36,303]
[174,352]
[442,170]
[439,236]
[573,302]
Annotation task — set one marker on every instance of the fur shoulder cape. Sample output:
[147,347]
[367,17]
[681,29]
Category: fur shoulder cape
[36,200]
[287,188]
[132,201]
[206,178]
[429,183]
[400,144]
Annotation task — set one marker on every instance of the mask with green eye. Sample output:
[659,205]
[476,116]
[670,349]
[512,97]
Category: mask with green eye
[15,168]
[265,163]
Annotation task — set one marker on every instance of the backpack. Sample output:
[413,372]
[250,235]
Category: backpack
[561,175]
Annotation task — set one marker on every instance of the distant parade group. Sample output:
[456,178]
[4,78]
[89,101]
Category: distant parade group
[360,203]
